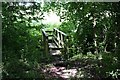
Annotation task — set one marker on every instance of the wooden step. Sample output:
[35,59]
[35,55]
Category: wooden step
[53,46]
[55,52]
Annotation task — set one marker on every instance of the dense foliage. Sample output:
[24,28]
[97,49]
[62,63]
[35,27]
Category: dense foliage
[95,25]
[91,27]
[21,40]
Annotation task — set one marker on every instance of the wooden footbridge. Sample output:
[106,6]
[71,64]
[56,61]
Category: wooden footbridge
[55,42]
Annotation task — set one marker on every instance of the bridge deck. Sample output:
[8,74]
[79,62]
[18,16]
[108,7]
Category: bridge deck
[55,52]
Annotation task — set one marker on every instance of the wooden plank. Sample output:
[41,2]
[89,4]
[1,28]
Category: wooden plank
[55,53]
[44,33]
[45,41]
[59,39]
[55,40]
[53,46]
[60,32]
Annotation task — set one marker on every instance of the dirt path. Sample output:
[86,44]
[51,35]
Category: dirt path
[64,70]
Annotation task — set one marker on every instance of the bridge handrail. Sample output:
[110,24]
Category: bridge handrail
[57,37]
[60,31]
[44,33]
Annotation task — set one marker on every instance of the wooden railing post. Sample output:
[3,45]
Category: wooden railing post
[46,45]
[45,41]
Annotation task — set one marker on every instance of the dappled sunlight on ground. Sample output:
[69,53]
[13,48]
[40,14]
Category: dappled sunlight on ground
[74,69]
[61,72]
[71,70]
